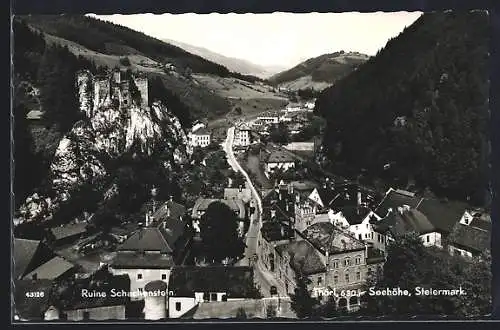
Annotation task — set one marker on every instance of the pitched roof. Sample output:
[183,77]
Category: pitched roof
[142,260]
[304,185]
[276,231]
[442,214]
[471,238]
[303,257]
[235,281]
[31,308]
[24,251]
[68,230]
[29,254]
[34,115]
[279,156]
[395,198]
[404,221]
[354,214]
[327,195]
[147,239]
[325,236]
[234,193]
[481,224]
[52,269]
[201,131]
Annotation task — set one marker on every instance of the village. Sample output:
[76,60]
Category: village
[292,220]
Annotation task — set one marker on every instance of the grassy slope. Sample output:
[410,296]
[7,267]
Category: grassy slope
[325,68]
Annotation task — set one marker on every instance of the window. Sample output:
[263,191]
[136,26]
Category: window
[347,262]
[141,290]
[335,264]
[213,297]
[347,277]
[139,276]
[358,276]
[335,279]
[428,238]
[367,225]
[34,277]
[320,280]
[163,276]
[86,315]
[357,261]
[178,306]
[357,227]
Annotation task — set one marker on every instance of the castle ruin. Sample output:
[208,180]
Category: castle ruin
[117,86]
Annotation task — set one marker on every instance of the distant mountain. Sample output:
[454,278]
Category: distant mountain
[319,72]
[234,64]
[417,112]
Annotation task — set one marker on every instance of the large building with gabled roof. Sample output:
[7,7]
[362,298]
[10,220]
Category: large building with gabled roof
[150,253]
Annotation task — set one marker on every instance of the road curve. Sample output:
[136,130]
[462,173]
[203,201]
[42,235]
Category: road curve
[263,277]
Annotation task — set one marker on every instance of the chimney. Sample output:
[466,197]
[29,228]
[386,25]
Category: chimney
[327,255]
[297,198]
[287,207]
[281,195]
[171,198]
[359,198]
[282,231]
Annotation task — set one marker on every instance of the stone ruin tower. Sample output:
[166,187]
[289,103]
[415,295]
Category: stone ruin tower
[101,90]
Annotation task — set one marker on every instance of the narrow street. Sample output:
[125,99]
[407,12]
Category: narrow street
[264,278]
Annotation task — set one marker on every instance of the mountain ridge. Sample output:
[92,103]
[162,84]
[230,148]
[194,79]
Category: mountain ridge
[242,66]
[319,72]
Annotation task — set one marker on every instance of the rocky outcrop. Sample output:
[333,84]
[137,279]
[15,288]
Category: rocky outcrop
[104,135]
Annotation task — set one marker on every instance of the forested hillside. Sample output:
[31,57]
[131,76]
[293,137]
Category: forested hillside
[113,39]
[418,110]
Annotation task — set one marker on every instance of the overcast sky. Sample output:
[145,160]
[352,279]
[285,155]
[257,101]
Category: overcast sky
[282,39]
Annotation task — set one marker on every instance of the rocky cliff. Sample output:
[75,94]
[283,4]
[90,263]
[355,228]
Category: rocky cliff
[85,155]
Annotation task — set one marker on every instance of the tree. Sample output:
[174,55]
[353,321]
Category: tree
[241,314]
[301,301]
[219,234]
[237,179]
[124,61]
[410,265]
[279,133]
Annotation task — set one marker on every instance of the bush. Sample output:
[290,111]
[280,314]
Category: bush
[125,61]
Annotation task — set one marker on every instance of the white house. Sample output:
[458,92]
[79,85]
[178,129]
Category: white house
[278,159]
[199,138]
[150,253]
[242,137]
[470,237]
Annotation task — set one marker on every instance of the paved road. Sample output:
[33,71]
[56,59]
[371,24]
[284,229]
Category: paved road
[263,277]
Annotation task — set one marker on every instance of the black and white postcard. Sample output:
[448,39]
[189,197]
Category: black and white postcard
[280,166]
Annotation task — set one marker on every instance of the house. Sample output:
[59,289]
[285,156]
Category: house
[32,300]
[191,286]
[242,137]
[472,239]
[54,269]
[66,234]
[272,234]
[348,262]
[405,220]
[199,138]
[35,260]
[298,257]
[268,119]
[424,214]
[278,159]
[150,253]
